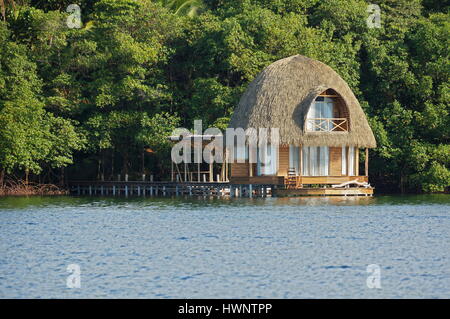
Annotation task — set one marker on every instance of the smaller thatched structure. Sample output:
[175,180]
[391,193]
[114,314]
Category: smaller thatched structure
[281,95]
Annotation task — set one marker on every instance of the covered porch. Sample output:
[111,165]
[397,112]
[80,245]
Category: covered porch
[301,167]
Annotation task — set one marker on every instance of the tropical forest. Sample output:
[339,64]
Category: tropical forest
[93,89]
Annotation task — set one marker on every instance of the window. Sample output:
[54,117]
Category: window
[241,153]
[323,114]
[316,160]
[350,159]
[344,160]
[294,158]
[321,110]
[268,165]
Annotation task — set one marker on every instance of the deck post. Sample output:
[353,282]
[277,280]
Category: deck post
[139,190]
[356,161]
[301,160]
[114,190]
[348,160]
[126,190]
[250,190]
[211,176]
[226,165]
[126,177]
[366,164]
[90,190]
[171,171]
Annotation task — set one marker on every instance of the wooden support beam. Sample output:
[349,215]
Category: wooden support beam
[356,161]
[211,177]
[347,162]
[226,169]
[301,160]
[366,164]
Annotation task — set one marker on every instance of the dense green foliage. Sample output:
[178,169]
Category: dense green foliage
[102,99]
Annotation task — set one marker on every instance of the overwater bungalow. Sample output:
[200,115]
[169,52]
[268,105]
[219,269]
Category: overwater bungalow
[322,129]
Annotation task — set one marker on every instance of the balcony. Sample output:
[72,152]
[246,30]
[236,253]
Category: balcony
[326,125]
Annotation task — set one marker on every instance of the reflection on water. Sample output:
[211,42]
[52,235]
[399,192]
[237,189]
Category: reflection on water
[217,247]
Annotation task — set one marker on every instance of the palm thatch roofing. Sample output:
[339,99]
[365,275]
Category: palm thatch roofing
[280,97]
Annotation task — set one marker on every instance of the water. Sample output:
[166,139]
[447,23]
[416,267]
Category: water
[238,248]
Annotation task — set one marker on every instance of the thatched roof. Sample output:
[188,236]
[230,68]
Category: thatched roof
[281,95]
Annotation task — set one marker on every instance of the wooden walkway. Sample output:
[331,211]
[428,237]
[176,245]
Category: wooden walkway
[136,188]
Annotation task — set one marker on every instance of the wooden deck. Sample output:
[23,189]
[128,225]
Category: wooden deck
[305,180]
[351,191]
[257,186]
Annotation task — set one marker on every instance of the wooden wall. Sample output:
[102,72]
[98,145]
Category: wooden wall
[335,161]
[242,169]
[239,169]
[283,161]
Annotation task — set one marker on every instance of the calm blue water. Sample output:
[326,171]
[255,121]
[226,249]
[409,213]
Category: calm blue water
[238,248]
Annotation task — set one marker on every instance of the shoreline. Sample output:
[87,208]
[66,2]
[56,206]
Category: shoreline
[32,190]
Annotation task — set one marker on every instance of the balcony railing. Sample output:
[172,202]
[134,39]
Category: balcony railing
[326,125]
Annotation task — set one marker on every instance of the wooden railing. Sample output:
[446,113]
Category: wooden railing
[326,124]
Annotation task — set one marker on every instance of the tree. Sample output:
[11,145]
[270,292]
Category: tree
[29,136]
[188,8]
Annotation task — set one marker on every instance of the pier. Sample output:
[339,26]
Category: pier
[141,188]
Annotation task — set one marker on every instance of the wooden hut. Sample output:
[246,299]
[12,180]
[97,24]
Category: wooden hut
[322,129]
